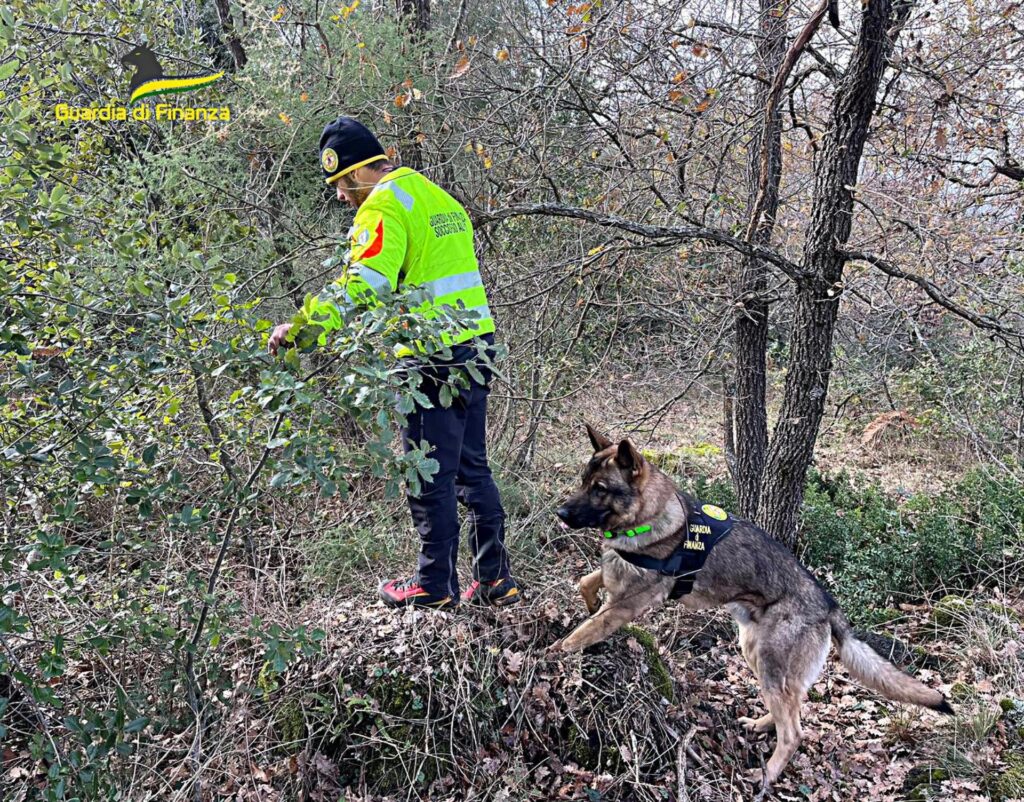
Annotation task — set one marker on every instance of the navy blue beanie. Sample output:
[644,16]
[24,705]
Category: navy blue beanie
[347,145]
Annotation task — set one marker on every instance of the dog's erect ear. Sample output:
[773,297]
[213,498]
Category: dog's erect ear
[597,440]
[628,458]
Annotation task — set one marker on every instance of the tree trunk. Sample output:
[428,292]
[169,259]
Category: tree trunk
[230,36]
[749,420]
[416,13]
[817,302]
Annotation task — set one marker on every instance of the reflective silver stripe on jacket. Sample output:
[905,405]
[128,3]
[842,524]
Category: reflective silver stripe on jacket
[484,311]
[372,277]
[449,284]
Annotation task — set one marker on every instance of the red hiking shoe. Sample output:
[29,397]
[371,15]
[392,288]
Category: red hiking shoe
[409,593]
[498,593]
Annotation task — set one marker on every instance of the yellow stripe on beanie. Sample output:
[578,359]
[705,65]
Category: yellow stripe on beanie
[355,166]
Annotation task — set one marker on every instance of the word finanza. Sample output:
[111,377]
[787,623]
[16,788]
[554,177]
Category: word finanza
[161,111]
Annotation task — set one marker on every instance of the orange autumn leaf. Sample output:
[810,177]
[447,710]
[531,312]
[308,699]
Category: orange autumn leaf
[461,68]
[47,351]
[703,106]
[501,55]
[679,77]
[674,95]
[401,100]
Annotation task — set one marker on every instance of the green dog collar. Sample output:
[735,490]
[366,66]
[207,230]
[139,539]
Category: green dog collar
[629,532]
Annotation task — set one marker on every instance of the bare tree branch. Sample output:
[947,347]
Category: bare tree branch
[985,322]
[678,233]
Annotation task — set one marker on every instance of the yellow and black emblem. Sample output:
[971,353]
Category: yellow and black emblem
[714,512]
[329,159]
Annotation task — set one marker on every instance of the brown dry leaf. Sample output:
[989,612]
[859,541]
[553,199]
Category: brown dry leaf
[897,418]
[703,106]
[461,68]
[401,100]
[502,55]
[513,661]
[51,350]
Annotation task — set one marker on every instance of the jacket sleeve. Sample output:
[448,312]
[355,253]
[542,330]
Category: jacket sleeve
[378,243]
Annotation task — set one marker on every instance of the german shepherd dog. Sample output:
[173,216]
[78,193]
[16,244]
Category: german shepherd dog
[785,617]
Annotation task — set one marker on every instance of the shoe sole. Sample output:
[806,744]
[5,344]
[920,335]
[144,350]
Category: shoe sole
[395,604]
[504,601]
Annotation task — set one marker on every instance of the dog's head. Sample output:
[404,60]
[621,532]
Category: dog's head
[610,495]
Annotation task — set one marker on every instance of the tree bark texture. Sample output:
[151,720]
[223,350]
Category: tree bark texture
[817,295]
[749,433]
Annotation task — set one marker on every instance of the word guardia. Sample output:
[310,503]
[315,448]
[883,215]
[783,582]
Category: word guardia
[160,112]
[630,532]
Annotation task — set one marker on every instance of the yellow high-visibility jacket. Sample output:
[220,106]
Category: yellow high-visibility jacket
[410,230]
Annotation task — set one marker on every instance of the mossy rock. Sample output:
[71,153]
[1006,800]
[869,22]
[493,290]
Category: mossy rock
[1010,782]
[660,675]
[961,692]
[683,461]
[952,612]
[1013,713]
[919,782]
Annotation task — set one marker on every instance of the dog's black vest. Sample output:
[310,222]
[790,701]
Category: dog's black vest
[703,532]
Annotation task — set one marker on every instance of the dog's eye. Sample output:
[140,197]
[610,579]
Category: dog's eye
[600,487]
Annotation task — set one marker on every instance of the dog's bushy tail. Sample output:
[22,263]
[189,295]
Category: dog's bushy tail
[871,669]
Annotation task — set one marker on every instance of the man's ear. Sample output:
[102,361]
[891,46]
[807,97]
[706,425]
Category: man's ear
[597,440]
[628,458]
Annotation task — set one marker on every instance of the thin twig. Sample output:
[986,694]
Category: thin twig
[682,794]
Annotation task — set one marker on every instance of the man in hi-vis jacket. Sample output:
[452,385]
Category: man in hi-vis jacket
[409,230]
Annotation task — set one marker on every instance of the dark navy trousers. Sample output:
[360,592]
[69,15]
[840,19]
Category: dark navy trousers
[457,436]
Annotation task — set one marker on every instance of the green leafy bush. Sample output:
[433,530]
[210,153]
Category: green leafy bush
[879,550]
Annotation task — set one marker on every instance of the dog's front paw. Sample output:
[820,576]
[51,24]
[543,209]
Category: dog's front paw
[757,725]
[555,649]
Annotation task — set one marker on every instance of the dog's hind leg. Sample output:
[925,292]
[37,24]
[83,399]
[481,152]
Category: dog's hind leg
[749,647]
[789,666]
[589,586]
[784,709]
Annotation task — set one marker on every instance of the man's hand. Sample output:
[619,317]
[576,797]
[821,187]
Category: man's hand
[277,339]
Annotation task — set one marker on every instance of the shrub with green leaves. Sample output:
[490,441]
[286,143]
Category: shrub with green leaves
[880,551]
